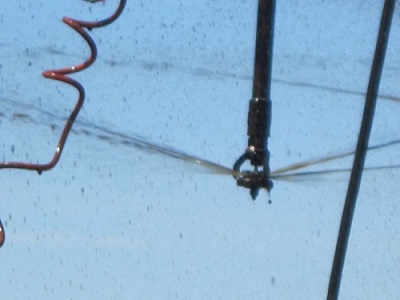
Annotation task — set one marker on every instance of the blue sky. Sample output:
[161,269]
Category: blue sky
[115,222]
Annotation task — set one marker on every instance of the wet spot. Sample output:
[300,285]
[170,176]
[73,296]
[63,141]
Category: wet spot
[104,137]
[20,116]
[23,117]
[273,281]
[86,132]
[53,127]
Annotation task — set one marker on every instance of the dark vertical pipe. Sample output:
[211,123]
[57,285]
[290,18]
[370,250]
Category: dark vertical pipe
[259,116]
[264,46]
[259,119]
[361,150]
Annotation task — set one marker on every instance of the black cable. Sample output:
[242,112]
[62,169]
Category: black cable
[361,150]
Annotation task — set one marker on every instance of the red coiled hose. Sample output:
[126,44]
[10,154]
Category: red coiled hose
[60,75]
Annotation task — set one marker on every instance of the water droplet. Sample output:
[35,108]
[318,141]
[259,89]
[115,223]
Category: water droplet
[273,280]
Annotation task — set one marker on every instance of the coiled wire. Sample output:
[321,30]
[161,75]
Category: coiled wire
[61,75]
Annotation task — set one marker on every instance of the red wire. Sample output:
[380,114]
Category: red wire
[2,234]
[60,75]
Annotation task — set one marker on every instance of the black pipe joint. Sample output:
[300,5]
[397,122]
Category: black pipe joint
[258,122]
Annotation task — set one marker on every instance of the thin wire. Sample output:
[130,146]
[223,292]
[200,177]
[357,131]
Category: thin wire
[331,89]
[136,141]
[308,163]
[140,143]
[361,150]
